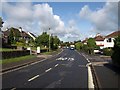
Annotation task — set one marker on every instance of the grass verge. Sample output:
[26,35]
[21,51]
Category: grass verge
[5,61]
[52,52]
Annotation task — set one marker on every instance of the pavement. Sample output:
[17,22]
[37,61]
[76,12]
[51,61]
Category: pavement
[108,75]
[66,70]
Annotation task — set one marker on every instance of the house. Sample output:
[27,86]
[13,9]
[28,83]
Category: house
[105,41]
[85,41]
[32,35]
[109,39]
[99,41]
[18,35]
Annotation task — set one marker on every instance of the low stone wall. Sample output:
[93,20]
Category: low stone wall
[13,54]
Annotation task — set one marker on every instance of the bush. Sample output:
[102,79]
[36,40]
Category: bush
[44,50]
[107,52]
[78,45]
[116,51]
[13,54]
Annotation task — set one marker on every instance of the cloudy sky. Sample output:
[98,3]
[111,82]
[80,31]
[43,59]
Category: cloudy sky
[68,20]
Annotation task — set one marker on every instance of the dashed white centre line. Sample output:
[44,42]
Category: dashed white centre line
[33,78]
[56,65]
[48,70]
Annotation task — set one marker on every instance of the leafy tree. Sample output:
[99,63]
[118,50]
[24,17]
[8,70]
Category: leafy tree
[11,37]
[91,45]
[42,40]
[56,42]
[116,51]
[78,45]
[1,22]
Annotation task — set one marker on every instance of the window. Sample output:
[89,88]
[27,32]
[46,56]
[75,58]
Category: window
[109,40]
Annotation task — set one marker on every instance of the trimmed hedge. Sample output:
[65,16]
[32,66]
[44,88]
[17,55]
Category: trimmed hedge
[13,54]
[43,50]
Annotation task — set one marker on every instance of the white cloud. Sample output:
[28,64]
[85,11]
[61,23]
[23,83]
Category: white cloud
[35,18]
[104,19]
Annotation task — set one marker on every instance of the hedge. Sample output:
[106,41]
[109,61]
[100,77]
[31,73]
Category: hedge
[13,54]
[43,50]
[107,52]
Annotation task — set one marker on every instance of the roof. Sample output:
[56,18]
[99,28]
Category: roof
[84,41]
[114,34]
[16,32]
[99,38]
[24,34]
[7,32]
[32,34]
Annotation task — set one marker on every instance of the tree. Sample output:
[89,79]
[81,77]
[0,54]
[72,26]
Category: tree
[42,40]
[1,22]
[91,45]
[116,51]
[78,45]
[56,42]
[11,37]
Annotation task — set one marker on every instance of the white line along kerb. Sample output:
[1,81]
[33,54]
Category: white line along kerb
[56,65]
[33,78]
[48,70]
[90,79]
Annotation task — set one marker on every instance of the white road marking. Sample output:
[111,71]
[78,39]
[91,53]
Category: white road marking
[90,79]
[48,70]
[56,65]
[33,78]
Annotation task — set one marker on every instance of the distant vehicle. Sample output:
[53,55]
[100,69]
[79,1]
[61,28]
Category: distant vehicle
[67,47]
[97,51]
[72,47]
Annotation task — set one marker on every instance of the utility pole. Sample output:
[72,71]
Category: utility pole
[49,39]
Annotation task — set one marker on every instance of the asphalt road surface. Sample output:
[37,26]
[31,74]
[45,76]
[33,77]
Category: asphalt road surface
[66,70]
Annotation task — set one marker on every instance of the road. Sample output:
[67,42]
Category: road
[66,70]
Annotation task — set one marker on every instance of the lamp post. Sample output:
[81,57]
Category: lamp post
[49,39]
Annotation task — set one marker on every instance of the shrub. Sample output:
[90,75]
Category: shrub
[107,51]
[13,54]
[116,51]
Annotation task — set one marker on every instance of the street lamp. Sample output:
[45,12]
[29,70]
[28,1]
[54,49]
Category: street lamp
[49,39]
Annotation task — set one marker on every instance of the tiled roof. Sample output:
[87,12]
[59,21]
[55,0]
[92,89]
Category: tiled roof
[24,34]
[99,38]
[114,34]
[16,31]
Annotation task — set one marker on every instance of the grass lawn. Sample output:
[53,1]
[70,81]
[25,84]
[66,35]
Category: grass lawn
[5,61]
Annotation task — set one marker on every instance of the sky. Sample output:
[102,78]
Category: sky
[70,21]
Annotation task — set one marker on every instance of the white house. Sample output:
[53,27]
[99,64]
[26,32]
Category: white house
[109,39]
[105,41]
[99,41]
